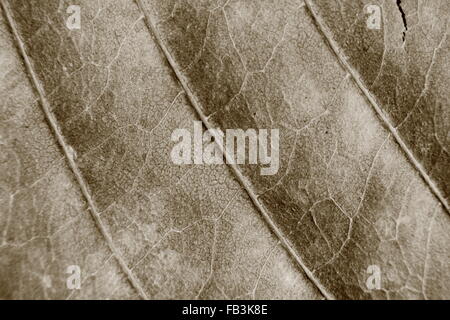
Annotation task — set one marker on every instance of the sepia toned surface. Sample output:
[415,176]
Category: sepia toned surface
[182,232]
[405,67]
[87,178]
[44,219]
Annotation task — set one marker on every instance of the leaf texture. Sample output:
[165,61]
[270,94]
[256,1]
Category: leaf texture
[405,66]
[87,177]
[180,232]
[346,197]
[45,223]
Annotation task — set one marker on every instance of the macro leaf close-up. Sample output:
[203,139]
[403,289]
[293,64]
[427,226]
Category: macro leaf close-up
[224,149]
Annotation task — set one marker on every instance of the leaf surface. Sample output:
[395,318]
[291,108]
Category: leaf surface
[45,222]
[179,232]
[347,197]
[404,65]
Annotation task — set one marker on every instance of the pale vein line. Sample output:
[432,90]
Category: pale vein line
[244,182]
[54,126]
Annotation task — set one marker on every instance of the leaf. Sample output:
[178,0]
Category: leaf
[136,224]
[404,65]
[346,197]
[45,225]
[346,202]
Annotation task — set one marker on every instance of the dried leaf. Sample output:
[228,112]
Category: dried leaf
[404,65]
[45,225]
[346,198]
[349,202]
[179,232]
